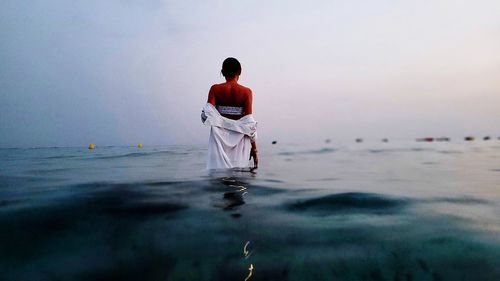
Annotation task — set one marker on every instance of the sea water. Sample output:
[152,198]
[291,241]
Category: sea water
[368,211]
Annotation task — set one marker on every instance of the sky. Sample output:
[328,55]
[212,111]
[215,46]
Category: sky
[122,72]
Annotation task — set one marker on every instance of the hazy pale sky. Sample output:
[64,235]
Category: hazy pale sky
[124,72]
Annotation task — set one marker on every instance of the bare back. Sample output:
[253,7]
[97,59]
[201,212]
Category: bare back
[231,94]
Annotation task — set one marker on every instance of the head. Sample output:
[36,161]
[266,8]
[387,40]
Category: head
[231,68]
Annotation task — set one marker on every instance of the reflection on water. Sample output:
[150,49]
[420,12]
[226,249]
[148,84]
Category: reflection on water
[250,271]
[246,254]
[397,212]
[233,198]
[234,191]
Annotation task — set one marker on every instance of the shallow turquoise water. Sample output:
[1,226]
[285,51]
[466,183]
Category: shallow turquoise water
[370,211]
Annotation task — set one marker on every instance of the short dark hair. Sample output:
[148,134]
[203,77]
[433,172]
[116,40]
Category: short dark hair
[230,68]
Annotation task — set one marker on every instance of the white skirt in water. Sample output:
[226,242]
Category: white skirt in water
[230,140]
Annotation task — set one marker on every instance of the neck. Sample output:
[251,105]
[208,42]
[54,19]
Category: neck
[233,80]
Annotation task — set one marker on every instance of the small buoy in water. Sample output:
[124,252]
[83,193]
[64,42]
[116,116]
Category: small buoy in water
[328,140]
[385,140]
[274,142]
[486,138]
[469,138]
[91,146]
[359,140]
[139,145]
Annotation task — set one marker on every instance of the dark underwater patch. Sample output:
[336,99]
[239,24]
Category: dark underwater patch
[458,200]
[375,151]
[321,151]
[355,202]
[314,151]
[450,152]
[63,157]
[163,183]
[121,199]
[47,171]
[150,266]
[140,154]
[14,181]
[144,208]
[103,185]
[272,180]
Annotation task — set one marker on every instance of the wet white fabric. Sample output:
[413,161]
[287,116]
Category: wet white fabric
[229,143]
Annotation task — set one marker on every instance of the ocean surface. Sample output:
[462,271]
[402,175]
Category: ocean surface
[367,211]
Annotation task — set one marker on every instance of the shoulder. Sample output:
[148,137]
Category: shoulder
[246,90]
[215,87]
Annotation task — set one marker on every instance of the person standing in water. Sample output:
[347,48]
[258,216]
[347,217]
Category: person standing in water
[228,111]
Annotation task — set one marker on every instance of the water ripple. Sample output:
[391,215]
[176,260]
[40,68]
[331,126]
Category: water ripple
[352,201]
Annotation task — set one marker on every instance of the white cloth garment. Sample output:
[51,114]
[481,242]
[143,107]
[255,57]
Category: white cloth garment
[229,143]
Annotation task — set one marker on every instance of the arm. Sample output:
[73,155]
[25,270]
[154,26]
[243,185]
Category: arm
[211,95]
[253,151]
[255,155]
[211,100]
[248,103]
